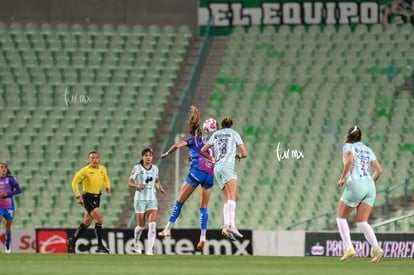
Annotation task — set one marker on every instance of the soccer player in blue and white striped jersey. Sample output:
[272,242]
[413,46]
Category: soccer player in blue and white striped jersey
[144,177]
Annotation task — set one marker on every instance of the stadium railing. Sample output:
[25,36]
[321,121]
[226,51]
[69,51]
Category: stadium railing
[393,221]
[388,191]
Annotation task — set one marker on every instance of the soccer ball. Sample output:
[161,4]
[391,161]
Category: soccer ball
[210,126]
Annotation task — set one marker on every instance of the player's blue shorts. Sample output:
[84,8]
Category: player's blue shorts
[7,213]
[197,177]
[358,191]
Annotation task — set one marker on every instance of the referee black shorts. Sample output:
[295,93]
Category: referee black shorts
[91,201]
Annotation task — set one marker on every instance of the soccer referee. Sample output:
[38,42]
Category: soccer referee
[93,178]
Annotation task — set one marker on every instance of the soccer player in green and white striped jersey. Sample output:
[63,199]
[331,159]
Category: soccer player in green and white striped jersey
[225,142]
[144,177]
[359,193]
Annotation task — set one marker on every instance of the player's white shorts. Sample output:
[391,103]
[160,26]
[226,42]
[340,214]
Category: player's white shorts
[224,172]
[357,191]
[141,206]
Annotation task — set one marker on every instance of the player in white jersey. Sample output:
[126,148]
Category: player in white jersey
[144,177]
[225,142]
[359,192]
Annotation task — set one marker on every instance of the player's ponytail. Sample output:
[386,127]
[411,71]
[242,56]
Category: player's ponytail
[194,122]
[353,135]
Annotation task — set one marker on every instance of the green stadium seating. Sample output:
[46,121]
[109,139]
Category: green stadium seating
[301,87]
[50,125]
[305,94]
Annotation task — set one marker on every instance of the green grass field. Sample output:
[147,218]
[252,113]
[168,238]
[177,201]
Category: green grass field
[195,264]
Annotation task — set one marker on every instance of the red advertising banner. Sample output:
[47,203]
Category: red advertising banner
[52,241]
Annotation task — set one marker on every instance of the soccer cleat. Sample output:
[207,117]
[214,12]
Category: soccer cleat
[102,249]
[226,232]
[377,254]
[7,249]
[201,243]
[348,254]
[138,248]
[71,245]
[236,233]
[165,233]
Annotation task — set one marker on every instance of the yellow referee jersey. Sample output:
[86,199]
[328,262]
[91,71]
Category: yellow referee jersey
[93,179]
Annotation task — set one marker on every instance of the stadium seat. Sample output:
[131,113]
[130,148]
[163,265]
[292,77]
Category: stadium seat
[312,87]
[49,116]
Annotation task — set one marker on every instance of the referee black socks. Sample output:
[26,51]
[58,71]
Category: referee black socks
[79,231]
[98,232]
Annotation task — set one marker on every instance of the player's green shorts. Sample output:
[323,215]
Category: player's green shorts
[358,191]
[224,172]
[141,206]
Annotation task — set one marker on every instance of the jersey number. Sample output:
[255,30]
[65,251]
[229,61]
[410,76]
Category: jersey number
[364,168]
[223,150]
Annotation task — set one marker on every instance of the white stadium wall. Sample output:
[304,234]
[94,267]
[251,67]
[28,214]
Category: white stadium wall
[278,243]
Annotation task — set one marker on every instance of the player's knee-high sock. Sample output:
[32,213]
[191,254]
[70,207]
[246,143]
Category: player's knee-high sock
[343,228]
[231,205]
[8,238]
[79,231]
[98,233]
[137,233]
[152,228]
[369,234]
[175,212]
[226,215]
[203,221]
